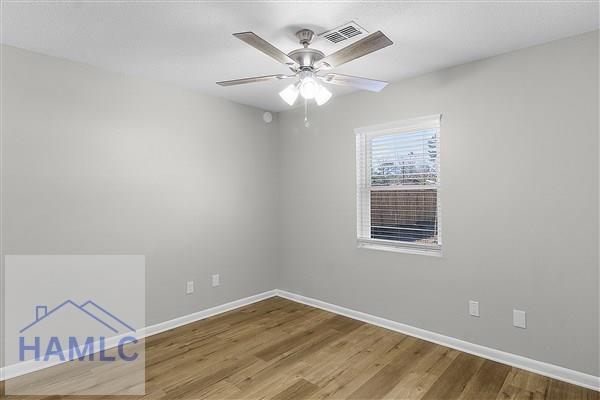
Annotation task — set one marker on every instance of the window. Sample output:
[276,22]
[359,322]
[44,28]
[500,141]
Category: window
[398,186]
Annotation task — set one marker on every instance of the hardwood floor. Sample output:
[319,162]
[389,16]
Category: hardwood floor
[278,349]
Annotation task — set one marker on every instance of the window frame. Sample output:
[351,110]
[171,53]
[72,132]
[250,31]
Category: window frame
[364,188]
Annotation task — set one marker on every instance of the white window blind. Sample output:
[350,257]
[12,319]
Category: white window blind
[398,185]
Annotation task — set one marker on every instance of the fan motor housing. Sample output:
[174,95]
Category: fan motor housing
[306,57]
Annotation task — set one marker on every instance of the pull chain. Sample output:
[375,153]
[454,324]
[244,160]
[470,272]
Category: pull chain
[306,122]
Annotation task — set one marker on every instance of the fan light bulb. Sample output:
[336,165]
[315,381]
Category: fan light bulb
[289,94]
[309,88]
[323,95]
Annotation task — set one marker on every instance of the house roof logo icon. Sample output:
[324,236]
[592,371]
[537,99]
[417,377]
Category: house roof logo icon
[90,309]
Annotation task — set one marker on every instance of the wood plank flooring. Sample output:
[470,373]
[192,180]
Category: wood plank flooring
[279,349]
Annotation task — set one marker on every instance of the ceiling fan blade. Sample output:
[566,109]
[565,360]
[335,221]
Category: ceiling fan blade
[252,80]
[354,81]
[373,42]
[260,44]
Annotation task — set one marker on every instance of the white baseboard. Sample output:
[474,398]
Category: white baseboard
[539,367]
[209,312]
[26,367]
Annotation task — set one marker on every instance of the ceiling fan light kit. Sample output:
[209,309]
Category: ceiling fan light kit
[290,94]
[323,95]
[307,63]
[308,84]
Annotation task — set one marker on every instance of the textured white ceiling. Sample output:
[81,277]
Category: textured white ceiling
[190,43]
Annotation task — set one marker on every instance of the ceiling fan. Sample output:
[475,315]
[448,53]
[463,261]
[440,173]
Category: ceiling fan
[310,66]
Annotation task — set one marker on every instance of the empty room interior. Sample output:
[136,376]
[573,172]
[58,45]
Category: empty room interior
[300,200]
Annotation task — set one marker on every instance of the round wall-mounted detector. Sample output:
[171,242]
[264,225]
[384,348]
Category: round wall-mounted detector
[267,117]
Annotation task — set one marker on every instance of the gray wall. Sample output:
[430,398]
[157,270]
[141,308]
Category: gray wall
[519,159]
[102,163]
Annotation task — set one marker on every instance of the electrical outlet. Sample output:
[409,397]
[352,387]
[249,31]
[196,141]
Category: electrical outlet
[190,287]
[519,319]
[474,308]
[216,281]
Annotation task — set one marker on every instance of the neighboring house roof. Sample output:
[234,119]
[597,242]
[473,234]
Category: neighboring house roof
[98,313]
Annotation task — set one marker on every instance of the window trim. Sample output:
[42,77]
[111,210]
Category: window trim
[363,185]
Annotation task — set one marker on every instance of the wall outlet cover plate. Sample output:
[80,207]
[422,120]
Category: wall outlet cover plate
[520,319]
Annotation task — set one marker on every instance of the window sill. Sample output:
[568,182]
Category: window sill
[382,245]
